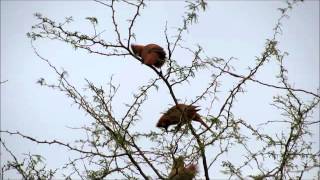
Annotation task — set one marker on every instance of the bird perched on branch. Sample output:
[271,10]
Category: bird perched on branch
[181,172]
[151,54]
[180,114]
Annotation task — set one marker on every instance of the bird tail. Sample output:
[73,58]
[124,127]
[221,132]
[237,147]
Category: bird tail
[204,124]
[199,119]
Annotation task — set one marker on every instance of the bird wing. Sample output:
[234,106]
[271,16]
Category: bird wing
[156,49]
[150,58]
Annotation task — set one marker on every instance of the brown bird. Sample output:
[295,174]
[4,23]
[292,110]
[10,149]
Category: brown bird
[181,172]
[151,54]
[180,114]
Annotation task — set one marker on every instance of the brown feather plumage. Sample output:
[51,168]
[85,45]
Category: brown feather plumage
[151,54]
[180,114]
[181,172]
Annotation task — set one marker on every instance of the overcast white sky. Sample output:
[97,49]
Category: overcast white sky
[227,29]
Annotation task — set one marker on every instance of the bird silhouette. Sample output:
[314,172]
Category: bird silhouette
[151,54]
[180,114]
[181,172]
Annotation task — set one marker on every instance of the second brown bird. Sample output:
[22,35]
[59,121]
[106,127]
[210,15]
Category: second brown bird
[180,114]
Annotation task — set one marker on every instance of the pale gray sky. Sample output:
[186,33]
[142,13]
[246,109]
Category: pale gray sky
[227,29]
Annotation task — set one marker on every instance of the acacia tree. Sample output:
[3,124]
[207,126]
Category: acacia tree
[112,149]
